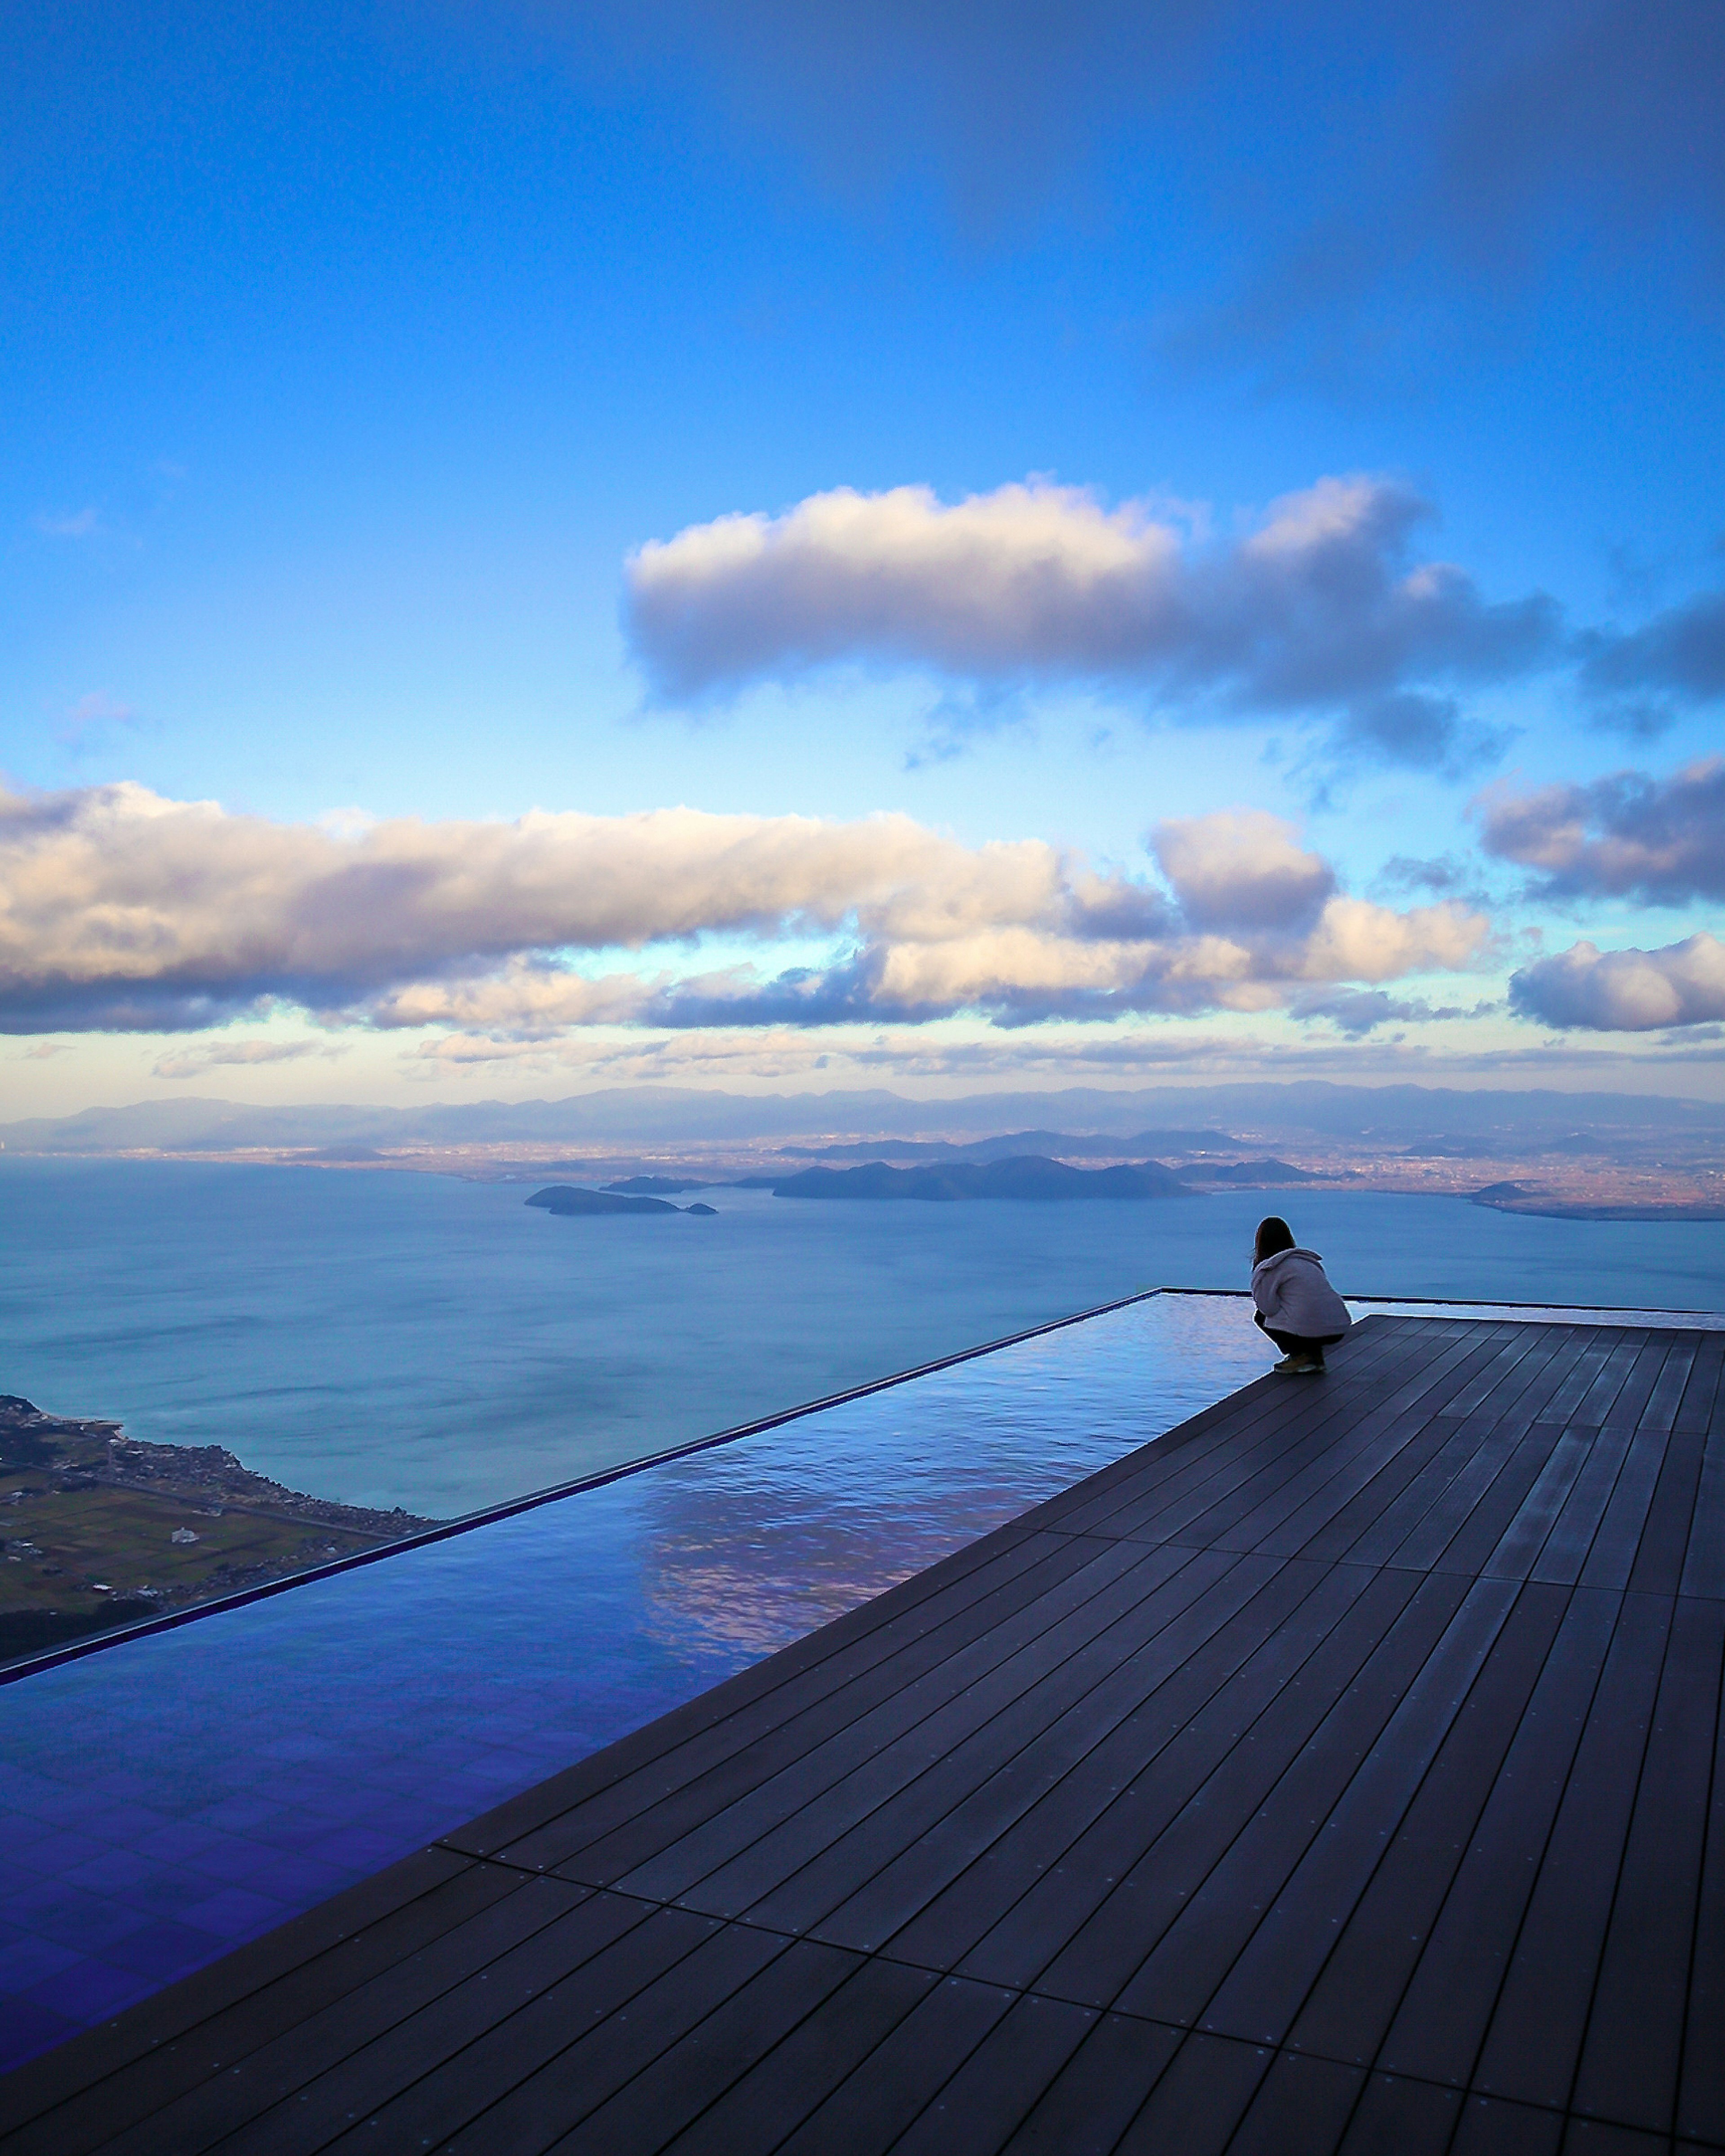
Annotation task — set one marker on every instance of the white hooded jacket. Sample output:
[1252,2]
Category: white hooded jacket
[1295,1297]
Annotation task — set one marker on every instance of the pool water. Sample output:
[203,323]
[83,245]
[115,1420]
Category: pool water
[167,1798]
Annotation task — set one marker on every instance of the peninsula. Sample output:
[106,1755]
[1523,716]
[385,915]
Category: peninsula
[101,1530]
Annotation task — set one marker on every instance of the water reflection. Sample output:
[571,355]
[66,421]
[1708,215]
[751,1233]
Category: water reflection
[757,1544]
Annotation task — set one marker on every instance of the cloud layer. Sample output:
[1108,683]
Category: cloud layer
[1640,680]
[122,911]
[1320,607]
[1500,120]
[1625,991]
[1661,841]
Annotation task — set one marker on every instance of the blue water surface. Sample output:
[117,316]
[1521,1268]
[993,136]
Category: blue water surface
[164,1799]
[390,1338]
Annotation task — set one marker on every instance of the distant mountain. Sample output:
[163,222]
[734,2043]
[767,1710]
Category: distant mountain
[1057,1145]
[1029,1178]
[1150,1120]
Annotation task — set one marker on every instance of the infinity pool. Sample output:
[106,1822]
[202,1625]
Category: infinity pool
[166,1797]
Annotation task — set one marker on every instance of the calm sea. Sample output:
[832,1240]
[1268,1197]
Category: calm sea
[391,1338]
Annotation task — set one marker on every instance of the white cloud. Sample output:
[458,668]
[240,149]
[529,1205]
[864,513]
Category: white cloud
[1319,609]
[1242,869]
[1625,991]
[122,911]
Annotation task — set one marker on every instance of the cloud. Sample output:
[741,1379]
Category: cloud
[1443,873]
[1629,836]
[1484,151]
[1625,991]
[1412,171]
[1357,1012]
[1607,111]
[1320,607]
[996,104]
[194,1062]
[1493,112]
[1638,680]
[120,911]
[1242,869]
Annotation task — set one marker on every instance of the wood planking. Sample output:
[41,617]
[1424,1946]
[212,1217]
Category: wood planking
[1342,1772]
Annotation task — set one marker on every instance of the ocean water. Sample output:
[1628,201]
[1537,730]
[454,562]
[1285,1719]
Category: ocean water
[388,1338]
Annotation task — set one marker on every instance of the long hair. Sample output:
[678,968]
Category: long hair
[1274,1234]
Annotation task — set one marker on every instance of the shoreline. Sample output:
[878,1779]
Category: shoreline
[101,1530]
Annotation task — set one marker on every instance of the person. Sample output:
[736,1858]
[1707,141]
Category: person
[1297,1306]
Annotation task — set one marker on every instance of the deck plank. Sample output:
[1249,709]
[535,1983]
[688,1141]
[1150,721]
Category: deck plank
[1001,1828]
[1633,2048]
[1210,1842]
[1100,2090]
[1343,1772]
[1061,1853]
[1534,2040]
[1334,1956]
[796,1875]
[1303,1854]
[1700,2093]
[875,2105]
[1441,2019]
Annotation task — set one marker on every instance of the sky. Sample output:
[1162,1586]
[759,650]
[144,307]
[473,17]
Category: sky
[941,546]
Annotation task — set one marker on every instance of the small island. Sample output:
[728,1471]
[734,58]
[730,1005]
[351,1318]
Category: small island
[102,1530]
[570,1200]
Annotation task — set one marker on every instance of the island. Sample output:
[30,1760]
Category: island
[569,1199]
[1027,1177]
[101,1530]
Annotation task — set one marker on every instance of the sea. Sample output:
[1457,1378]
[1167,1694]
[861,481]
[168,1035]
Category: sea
[388,1338]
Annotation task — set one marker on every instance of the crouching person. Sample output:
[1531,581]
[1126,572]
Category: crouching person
[1297,1307]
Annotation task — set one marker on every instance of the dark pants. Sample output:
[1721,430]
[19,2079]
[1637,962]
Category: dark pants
[1296,1343]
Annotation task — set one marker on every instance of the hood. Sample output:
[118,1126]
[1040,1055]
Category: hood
[1282,1258]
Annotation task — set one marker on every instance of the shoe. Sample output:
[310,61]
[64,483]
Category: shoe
[1300,1365]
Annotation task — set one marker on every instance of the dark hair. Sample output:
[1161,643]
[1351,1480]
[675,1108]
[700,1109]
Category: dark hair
[1274,1234]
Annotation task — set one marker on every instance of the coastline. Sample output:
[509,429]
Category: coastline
[101,1530]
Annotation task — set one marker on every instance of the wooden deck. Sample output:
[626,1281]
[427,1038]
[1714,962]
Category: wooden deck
[1339,1772]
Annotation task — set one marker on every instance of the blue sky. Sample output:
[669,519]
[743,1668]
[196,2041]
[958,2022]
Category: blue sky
[352,356]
